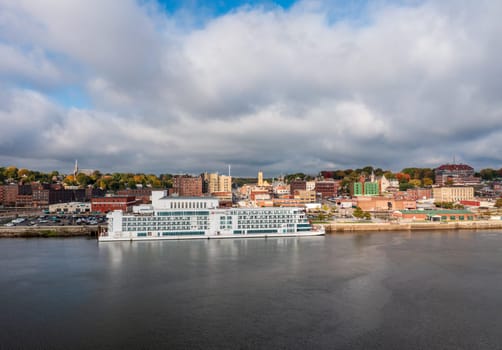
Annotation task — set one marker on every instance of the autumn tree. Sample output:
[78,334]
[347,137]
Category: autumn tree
[11,173]
[415,182]
[427,181]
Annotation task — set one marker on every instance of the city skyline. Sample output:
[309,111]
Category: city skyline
[287,86]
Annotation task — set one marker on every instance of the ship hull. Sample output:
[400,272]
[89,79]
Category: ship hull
[231,236]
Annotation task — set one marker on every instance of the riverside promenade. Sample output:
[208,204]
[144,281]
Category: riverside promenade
[340,227]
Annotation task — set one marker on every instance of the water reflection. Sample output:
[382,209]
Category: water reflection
[350,291]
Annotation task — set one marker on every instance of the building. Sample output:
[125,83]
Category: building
[259,195]
[65,196]
[107,204]
[326,188]
[211,183]
[455,174]
[216,183]
[24,196]
[142,195]
[224,183]
[70,208]
[260,178]
[10,195]
[40,195]
[436,215]
[187,186]
[452,194]
[414,194]
[304,196]
[378,203]
[297,185]
[365,188]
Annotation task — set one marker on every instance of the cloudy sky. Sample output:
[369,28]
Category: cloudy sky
[190,86]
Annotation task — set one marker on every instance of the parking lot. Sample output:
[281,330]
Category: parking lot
[55,220]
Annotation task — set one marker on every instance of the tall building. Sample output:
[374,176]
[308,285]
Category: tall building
[224,183]
[217,183]
[212,182]
[187,186]
[455,174]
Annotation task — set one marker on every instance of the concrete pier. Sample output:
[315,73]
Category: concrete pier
[339,227]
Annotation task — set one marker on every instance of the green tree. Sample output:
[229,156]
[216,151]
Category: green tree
[403,186]
[358,213]
[83,179]
[488,174]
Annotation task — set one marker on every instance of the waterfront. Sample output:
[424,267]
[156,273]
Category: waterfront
[420,290]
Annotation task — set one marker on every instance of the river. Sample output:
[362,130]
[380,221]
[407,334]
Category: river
[420,290]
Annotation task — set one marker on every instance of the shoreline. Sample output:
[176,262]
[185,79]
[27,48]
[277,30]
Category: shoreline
[331,228]
[335,227]
[48,231]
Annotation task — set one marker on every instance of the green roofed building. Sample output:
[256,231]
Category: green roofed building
[437,215]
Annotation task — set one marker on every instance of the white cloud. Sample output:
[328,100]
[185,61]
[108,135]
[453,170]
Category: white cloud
[282,90]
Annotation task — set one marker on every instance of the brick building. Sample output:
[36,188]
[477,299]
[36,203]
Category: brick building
[10,195]
[187,186]
[326,188]
[455,174]
[297,185]
[142,195]
[376,203]
[107,204]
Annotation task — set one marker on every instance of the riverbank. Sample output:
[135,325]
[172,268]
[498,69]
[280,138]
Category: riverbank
[48,231]
[340,227]
[333,227]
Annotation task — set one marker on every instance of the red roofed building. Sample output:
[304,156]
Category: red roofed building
[455,174]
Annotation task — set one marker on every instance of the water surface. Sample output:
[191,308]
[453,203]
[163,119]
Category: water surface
[425,290]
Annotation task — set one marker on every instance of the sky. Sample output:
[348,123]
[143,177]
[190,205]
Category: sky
[288,86]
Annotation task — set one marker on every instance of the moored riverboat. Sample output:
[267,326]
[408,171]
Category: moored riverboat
[176,218]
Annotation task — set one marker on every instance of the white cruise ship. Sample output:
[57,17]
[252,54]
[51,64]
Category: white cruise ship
[199,217]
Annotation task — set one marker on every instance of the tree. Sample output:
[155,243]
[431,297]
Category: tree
[445,205]
[83,180]
[23,172]
[358,213]
[488,174]
[11,172]
[403,186]
[415,182]
[389,175]
[427,181]
[403,177]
